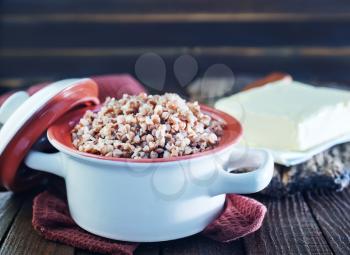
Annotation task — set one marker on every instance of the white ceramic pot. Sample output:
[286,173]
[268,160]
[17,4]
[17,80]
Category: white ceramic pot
[151,200]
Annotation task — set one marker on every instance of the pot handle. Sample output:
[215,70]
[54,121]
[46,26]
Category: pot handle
[245,183]
[47,162]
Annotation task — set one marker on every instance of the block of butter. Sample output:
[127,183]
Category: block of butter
[289,116]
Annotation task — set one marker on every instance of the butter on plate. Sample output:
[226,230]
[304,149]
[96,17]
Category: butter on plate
[289,116]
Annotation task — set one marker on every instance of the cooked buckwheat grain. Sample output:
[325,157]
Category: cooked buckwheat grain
[146,126]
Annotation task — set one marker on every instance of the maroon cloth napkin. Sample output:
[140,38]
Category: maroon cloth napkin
[51,218]
[240,216]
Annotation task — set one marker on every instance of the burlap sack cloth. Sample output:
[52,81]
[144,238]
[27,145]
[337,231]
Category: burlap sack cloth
[51,218]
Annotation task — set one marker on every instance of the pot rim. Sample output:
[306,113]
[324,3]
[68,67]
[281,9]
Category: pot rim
[58,137]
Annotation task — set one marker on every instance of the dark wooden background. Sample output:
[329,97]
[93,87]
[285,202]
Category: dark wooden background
[49,39]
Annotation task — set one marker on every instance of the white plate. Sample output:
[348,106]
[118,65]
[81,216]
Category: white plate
[290,158]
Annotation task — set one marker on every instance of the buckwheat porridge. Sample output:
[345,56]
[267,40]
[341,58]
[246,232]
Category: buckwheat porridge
[146,126]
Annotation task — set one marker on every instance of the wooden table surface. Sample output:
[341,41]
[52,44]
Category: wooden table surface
[311,223]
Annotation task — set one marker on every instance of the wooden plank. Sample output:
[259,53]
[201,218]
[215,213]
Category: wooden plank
[289,228]
[34,33]
[233,51]
[180,6]
[201,245]
[332,212]
[148,249]
[194,17]
[9,206]
[20,82]
[22,239]
[302,63]
[82,252]
[144,249]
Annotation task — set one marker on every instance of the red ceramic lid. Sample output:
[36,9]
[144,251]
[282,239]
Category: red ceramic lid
[29,122]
